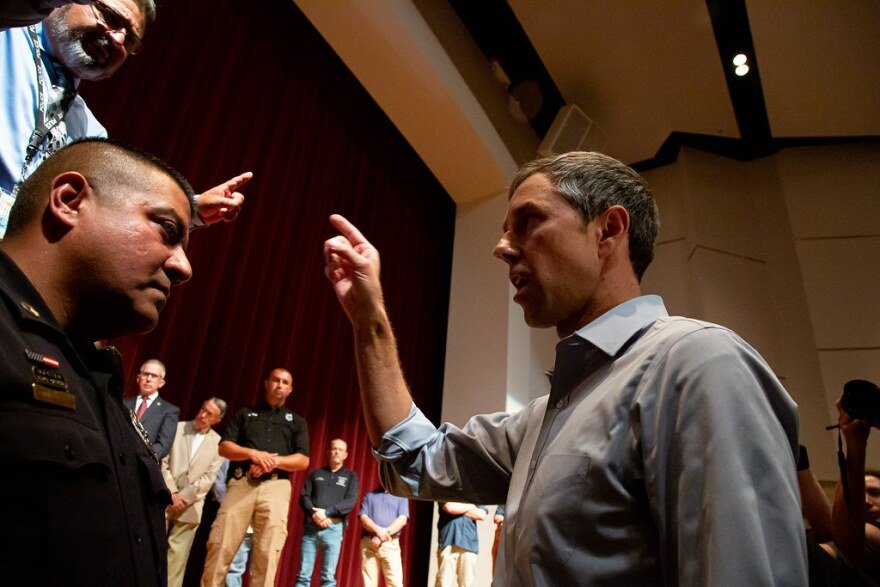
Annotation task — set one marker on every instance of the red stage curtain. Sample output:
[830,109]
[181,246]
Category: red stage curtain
[226,86]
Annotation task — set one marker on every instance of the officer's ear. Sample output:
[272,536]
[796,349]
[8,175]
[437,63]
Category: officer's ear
[67,194]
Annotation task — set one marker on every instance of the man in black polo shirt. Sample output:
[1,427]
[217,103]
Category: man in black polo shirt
[329,494]
[264,444]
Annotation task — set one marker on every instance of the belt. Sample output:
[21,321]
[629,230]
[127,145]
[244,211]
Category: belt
[240,472]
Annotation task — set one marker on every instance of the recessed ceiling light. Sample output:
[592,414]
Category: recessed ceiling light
[740,59]
[741,70]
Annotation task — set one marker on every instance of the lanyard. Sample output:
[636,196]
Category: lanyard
[45,124]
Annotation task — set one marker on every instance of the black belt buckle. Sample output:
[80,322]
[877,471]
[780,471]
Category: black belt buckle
[274,475]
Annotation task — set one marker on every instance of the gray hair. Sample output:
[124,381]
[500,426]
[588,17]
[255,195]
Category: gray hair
[148,8]
[220,404]
[592,183]
[158,363]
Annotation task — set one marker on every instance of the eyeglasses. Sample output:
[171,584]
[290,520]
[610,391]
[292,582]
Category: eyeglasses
[148,376]
[115,22]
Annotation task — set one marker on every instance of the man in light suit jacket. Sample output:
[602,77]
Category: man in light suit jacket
[189,471]
[158,417]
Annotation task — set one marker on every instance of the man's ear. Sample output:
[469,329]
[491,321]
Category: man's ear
[67,194]
[614,227]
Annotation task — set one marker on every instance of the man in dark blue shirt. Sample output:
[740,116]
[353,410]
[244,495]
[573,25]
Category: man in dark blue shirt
[327,497]
[458,543]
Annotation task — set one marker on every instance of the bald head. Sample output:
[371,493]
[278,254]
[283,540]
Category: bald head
[109,168]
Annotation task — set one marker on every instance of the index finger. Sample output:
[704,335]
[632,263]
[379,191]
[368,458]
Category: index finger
[348,230]
[238,181]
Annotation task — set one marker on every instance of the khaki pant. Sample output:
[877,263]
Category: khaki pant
[180,540]
[456,567]
[262,505]
[388,557]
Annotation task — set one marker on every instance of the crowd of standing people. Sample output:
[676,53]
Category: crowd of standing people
[665,452]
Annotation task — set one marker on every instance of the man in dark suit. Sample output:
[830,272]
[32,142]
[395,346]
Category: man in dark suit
[158,417]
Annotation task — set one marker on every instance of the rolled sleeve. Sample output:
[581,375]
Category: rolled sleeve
[406,437]
[416,459]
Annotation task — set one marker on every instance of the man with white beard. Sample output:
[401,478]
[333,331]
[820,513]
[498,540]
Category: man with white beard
[41,65]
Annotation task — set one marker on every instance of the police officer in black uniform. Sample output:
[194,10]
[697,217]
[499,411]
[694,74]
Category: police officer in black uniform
[94,243]
[264,444]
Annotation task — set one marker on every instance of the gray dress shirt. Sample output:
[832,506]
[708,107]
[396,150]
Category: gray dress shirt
[664,454]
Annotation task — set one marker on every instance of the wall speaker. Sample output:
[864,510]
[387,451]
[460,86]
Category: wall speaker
[572,130]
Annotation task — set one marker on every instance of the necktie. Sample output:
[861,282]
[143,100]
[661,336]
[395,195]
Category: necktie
[142,409]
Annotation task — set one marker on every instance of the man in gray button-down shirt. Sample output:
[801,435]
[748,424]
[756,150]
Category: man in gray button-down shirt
[665,452]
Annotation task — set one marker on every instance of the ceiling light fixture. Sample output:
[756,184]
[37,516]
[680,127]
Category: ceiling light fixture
[741,70]
[740,59]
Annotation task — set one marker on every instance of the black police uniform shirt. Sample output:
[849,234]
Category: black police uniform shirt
[83,497]
[335,492]
[273,430]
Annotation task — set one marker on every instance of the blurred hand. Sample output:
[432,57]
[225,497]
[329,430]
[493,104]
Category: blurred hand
[266,461]
[855,432]
[177,503]
[319,516]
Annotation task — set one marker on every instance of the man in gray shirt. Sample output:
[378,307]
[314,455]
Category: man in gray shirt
[665,452]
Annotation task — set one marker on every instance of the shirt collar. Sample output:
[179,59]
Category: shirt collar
[28,302]
[610,331]
[264,406]
[151,398]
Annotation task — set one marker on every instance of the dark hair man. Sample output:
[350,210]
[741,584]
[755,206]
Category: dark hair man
[40,69]
[95,243]
[664,440]
[264,444]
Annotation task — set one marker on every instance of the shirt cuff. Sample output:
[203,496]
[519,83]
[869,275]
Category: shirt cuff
[405,437]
